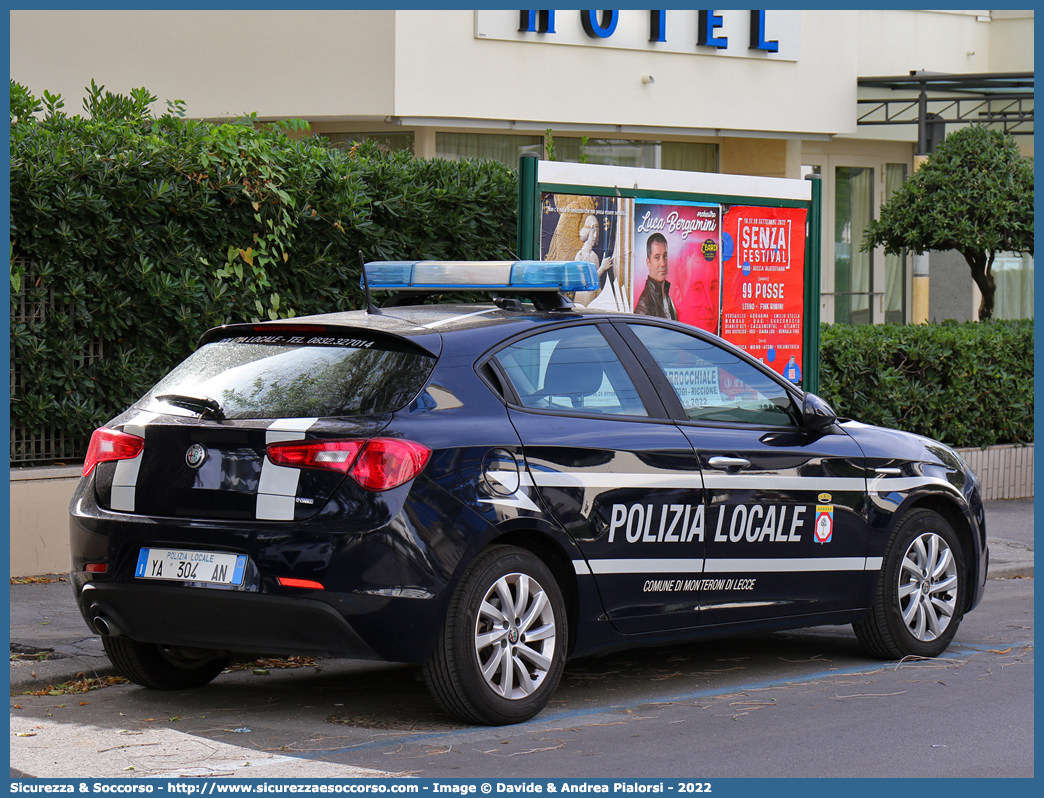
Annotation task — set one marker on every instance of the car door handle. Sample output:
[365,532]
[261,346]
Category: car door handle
[728,463]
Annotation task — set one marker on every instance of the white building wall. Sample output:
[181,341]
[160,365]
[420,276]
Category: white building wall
[895,42]
[279,64]
[1011,41]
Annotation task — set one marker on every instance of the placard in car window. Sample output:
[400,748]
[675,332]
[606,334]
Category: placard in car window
[696,386]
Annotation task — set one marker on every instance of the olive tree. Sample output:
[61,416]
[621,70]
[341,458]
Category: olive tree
[974,195]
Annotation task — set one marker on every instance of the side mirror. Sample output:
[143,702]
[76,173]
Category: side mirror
[816,414]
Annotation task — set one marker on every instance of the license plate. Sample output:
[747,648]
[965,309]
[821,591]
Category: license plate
[209,567]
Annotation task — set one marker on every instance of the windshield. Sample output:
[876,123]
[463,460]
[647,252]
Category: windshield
[252,380]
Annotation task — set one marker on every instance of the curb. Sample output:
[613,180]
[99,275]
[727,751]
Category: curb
[1010,572]
[52,672]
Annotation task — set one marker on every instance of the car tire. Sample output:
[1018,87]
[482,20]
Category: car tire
[493,668]
[162,667]
[921,591]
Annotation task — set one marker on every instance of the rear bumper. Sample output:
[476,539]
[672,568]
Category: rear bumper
[254,623]
[385,583]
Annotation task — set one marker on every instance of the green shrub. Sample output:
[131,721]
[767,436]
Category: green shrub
[966,384]
[131,235]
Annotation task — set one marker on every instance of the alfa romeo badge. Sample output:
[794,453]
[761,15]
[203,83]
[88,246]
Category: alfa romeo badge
[195,456]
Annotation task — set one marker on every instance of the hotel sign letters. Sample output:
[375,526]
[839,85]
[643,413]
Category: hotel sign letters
[772,34]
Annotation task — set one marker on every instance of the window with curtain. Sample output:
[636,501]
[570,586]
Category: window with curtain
[853,270]
[497,147]
[689,157]
[400,140]
[1014,276]
[683,156]
[895,265]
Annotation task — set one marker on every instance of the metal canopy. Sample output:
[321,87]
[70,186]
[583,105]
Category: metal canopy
[1004,99]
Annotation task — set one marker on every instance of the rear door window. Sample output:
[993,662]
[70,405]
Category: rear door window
[262,380]
[571,369]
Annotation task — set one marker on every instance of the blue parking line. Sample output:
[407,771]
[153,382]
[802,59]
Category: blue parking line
[956,651]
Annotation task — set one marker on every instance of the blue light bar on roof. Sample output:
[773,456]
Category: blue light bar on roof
[521,276]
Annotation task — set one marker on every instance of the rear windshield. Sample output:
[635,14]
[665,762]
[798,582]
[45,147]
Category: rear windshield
[260,380]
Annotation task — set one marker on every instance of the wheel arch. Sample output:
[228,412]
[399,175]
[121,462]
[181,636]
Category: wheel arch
[948,508]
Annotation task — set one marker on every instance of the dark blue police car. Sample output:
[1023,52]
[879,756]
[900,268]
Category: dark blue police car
[491,489]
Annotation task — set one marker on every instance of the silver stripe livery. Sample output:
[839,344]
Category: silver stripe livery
[882,484]
[601,479]
[277,485]
[728,566]
[785,565]
[125,478]
[649,566]
[457,318]
[773,482]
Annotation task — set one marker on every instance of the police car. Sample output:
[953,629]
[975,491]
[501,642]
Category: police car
[491,489]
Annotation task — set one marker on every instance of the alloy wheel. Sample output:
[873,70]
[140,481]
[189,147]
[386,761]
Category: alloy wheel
[928,587]
[515,636]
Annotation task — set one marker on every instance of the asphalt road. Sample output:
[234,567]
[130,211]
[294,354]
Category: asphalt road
[805,703]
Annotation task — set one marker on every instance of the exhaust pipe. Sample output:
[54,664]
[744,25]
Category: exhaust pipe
[106,627]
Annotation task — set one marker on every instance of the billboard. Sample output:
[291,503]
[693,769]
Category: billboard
[677,272]
[763,285]
[734,270]
[594,229]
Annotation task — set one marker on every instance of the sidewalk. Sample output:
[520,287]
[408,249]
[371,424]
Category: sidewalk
[44,618]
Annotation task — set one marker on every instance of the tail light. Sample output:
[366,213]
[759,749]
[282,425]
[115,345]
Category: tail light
[109,444]
[377,464]
[309,584]
[330,455]
[386,463]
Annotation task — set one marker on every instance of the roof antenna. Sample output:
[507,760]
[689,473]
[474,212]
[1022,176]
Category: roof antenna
[370,307]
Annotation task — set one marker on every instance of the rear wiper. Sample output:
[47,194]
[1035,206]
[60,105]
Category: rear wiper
[204,405]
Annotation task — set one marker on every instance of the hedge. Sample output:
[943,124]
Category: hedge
[966,384]
[131,234]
